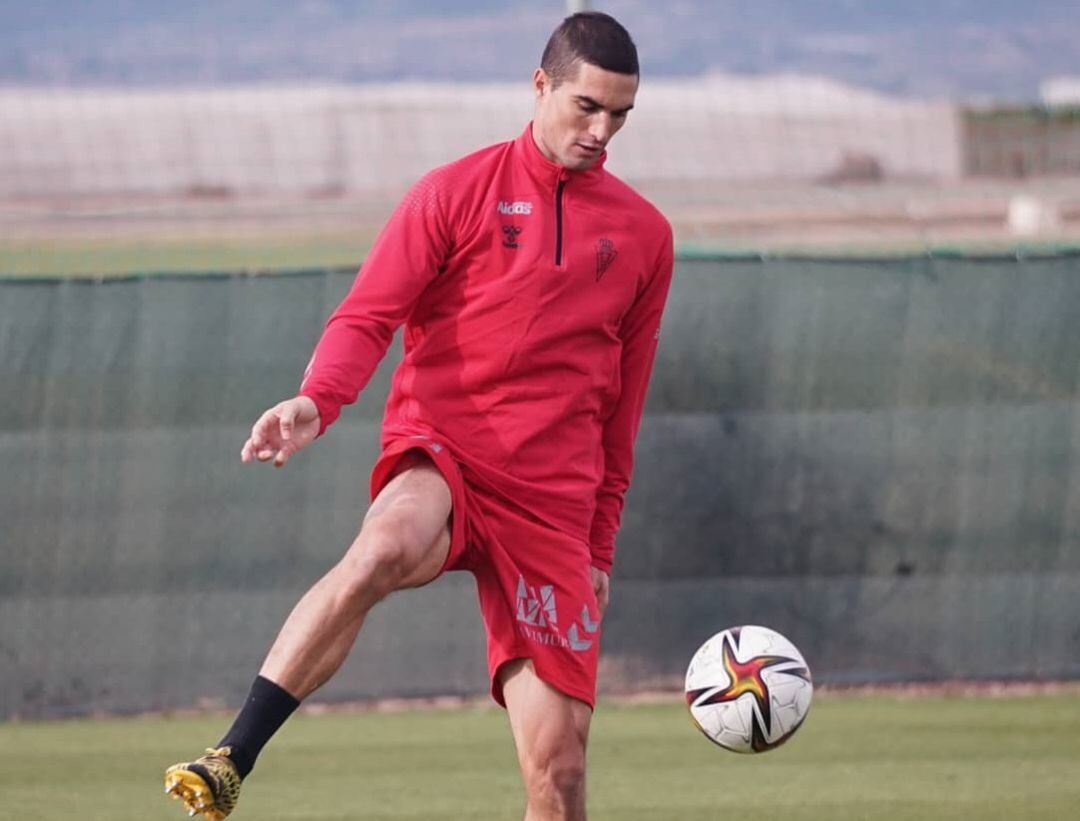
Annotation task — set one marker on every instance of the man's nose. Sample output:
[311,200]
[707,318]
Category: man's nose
[600,128]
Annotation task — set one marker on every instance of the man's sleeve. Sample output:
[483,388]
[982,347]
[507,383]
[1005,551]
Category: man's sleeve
[640,333]
[406,256]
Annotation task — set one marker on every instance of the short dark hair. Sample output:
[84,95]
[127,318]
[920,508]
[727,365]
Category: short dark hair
[592,37]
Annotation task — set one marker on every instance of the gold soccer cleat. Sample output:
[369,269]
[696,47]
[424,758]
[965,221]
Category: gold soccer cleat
[209,785]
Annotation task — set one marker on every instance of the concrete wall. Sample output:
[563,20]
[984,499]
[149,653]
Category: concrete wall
[328,139]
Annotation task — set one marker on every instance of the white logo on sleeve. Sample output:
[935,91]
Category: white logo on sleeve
[519,208]
[307,371]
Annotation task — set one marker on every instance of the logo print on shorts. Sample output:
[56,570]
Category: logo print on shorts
[538,619]
[536,609]
[576,642]
[605,255]
[510,235]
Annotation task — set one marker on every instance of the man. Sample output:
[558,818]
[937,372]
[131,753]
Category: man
[531,284]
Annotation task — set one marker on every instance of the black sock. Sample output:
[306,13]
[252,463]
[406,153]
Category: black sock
[262,715]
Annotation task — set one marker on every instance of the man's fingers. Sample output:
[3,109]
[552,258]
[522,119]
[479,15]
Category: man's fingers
[602,588]
[264,433]
[288,417]
[283,455]
[257,438]
[273,433]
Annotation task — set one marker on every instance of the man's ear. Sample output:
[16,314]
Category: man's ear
[541,82]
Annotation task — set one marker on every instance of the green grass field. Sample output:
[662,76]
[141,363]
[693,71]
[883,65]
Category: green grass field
[111,257]
[108,257]
[884,758]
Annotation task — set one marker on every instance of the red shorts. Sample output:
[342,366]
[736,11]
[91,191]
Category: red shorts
[534,583]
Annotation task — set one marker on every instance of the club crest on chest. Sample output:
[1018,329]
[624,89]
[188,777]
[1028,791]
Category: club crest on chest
[605,255]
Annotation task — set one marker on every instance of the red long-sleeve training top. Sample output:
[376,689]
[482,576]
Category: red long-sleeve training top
[531,297]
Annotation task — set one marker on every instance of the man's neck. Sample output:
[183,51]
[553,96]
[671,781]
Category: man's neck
[541,147]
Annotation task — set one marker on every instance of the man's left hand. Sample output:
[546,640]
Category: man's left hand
[602,586]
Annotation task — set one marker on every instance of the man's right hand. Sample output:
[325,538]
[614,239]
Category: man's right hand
[285,429]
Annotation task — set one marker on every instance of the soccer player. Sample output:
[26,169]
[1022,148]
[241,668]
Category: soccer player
[531,283]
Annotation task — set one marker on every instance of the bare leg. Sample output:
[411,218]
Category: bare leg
[403,542]
[551,731]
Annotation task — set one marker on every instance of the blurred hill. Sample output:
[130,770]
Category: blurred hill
[966,49]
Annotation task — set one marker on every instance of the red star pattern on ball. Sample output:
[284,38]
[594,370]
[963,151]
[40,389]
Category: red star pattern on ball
[746,677]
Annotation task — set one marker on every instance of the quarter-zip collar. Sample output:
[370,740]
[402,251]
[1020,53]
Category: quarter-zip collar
[546,172]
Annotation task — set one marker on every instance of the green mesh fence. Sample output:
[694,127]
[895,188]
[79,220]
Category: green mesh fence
[880,458]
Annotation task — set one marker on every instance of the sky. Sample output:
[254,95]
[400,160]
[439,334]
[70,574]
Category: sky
[958,49]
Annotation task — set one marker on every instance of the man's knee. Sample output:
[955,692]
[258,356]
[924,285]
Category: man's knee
[379,559]
[556,778]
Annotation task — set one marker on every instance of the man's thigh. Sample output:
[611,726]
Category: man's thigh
[413,511]
[547,724]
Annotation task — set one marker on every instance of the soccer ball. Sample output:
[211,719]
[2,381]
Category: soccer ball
[748,689]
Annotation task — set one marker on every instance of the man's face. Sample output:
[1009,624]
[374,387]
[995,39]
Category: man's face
[575,120]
